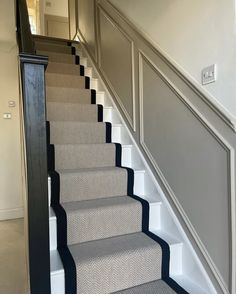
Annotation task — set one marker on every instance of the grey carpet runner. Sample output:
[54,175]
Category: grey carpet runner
[102,227]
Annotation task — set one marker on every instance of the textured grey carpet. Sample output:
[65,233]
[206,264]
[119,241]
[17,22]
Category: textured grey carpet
[104,224]
[156,287]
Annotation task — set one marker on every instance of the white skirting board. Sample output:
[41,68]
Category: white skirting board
[12,213]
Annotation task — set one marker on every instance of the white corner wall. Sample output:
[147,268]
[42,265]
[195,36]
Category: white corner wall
[11,204]
[194,34]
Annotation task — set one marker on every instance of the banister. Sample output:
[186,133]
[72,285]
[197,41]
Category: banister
[32,71]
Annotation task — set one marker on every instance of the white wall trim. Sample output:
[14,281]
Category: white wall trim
[231,170]
[131,121]
[13,213]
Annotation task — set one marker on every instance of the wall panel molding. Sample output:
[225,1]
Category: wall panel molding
[208,120]
[230,169]
[131,120]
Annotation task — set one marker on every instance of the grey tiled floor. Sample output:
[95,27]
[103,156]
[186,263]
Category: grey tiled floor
[13,269]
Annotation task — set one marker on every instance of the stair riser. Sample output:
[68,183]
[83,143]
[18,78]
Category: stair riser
[60,58]
[102,221]
[155,212]
[71,133]
[70,81]
[84,61]
[88,72]
[72,112]
[58,283]
[138,184]
[86,156]
[64,49]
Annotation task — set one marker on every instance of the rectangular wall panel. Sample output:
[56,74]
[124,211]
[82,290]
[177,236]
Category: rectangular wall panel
[192,160]
[116,63]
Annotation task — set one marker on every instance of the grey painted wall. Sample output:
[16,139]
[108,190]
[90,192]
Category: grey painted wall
[188,142]
[86,13]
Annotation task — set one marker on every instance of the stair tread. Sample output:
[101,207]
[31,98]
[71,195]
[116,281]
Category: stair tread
[102,218]
[119,262]
[115,245]
[70,104]
[73,171]
[96,203]
[50,53]
[155,287]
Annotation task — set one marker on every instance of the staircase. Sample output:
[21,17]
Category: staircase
[103,236]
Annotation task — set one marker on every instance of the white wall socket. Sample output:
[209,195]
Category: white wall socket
[209,74]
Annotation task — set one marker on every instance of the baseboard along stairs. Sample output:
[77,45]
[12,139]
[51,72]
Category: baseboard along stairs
[105,227]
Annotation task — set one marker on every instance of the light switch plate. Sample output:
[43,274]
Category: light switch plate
[209,74]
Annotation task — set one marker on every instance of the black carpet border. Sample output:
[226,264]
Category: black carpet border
[165,267]
[100,112]
[64,252]
[93,96]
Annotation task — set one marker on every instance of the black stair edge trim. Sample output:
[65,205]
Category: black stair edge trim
[108,132]
[174,285]
[118,154]
[165,267]
[145,212]
[100,113]
[73,50]
[87,82]
[48,132]
[93,96]
[51,157]
[81,70]
[77,59]
[65,254]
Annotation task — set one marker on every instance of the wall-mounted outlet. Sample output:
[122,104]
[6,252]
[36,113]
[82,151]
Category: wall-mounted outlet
[209,74]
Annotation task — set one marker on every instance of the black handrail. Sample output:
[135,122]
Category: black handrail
[34,112]
[25,39]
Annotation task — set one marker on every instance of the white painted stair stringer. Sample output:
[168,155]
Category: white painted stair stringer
[193,273]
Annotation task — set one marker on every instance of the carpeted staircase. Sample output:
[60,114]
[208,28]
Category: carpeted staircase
[102,227]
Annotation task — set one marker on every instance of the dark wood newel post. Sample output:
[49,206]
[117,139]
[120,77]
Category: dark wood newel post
[33,87]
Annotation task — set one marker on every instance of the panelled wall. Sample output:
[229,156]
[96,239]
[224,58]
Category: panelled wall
[188,142]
